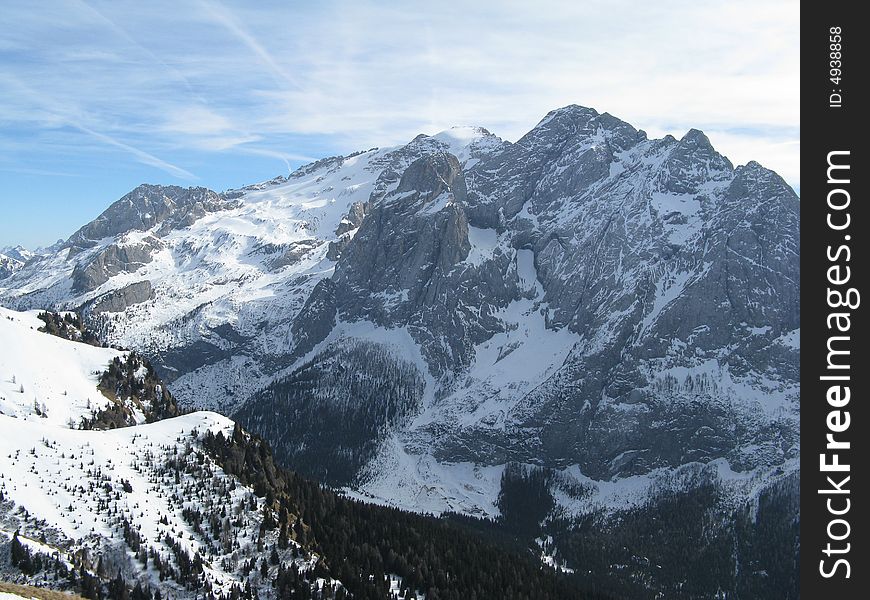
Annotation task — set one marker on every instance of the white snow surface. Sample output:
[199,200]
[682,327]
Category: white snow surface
[420,483]
[462,142]
[483,244]
[44,468]
[8,596]
[41,369]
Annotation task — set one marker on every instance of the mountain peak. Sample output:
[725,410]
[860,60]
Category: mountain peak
[146,206]
[696,139]
[463,134]
[570,113]
[753,179]
[582,123]
[17,252]
[466,143]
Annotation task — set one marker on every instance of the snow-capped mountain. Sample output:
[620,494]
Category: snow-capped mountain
[410,320]
[19,253]
[12,259]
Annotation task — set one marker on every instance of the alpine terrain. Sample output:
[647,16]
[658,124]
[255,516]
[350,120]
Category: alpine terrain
[12,259]
[587,336]
[107,491]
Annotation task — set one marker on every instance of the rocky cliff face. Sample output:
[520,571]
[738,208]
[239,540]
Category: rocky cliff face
[585,299]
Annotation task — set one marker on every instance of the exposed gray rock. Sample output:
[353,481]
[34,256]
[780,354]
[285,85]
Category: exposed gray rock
[118,300]
[402,266]
[316,319]
[111,261]
[353,219]
[293,253]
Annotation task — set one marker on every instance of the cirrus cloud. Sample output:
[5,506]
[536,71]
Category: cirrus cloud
[232,91]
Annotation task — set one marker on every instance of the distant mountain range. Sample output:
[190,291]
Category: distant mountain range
[12,258]
[610,318]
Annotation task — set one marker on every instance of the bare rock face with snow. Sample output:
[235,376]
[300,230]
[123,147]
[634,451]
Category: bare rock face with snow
[118,300]
[12,258]
[8,266]
[150,207]
[585,299]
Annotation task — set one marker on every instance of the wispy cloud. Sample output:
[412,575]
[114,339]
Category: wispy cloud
[285,157]
[224,16]
[125,35]
[141,155]
[40,172]
[178,85]
[62,115]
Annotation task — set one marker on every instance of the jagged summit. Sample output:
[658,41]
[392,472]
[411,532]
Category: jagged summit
[571,112]
[19,253]
[148,206]
[12,258]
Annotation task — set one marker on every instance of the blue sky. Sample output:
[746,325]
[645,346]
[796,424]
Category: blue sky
[98,96]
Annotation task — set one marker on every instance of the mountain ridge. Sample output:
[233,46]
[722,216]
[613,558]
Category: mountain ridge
[587,298]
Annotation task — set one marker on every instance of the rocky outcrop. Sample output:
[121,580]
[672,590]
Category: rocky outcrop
[403,265]
[353,219]
[113,260]
[119,300]
[316,319]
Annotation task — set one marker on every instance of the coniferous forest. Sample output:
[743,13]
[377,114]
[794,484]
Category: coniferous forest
[363,543]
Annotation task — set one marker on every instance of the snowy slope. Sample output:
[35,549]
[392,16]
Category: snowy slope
[75,494]
[80,488]
[38,369]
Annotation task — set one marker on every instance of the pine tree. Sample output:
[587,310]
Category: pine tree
[17,551]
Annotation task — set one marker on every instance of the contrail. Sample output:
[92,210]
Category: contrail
[223,16]
[144,157]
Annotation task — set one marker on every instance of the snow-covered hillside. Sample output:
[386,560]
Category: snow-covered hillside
[125,500]
[46,378]
[193,506]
